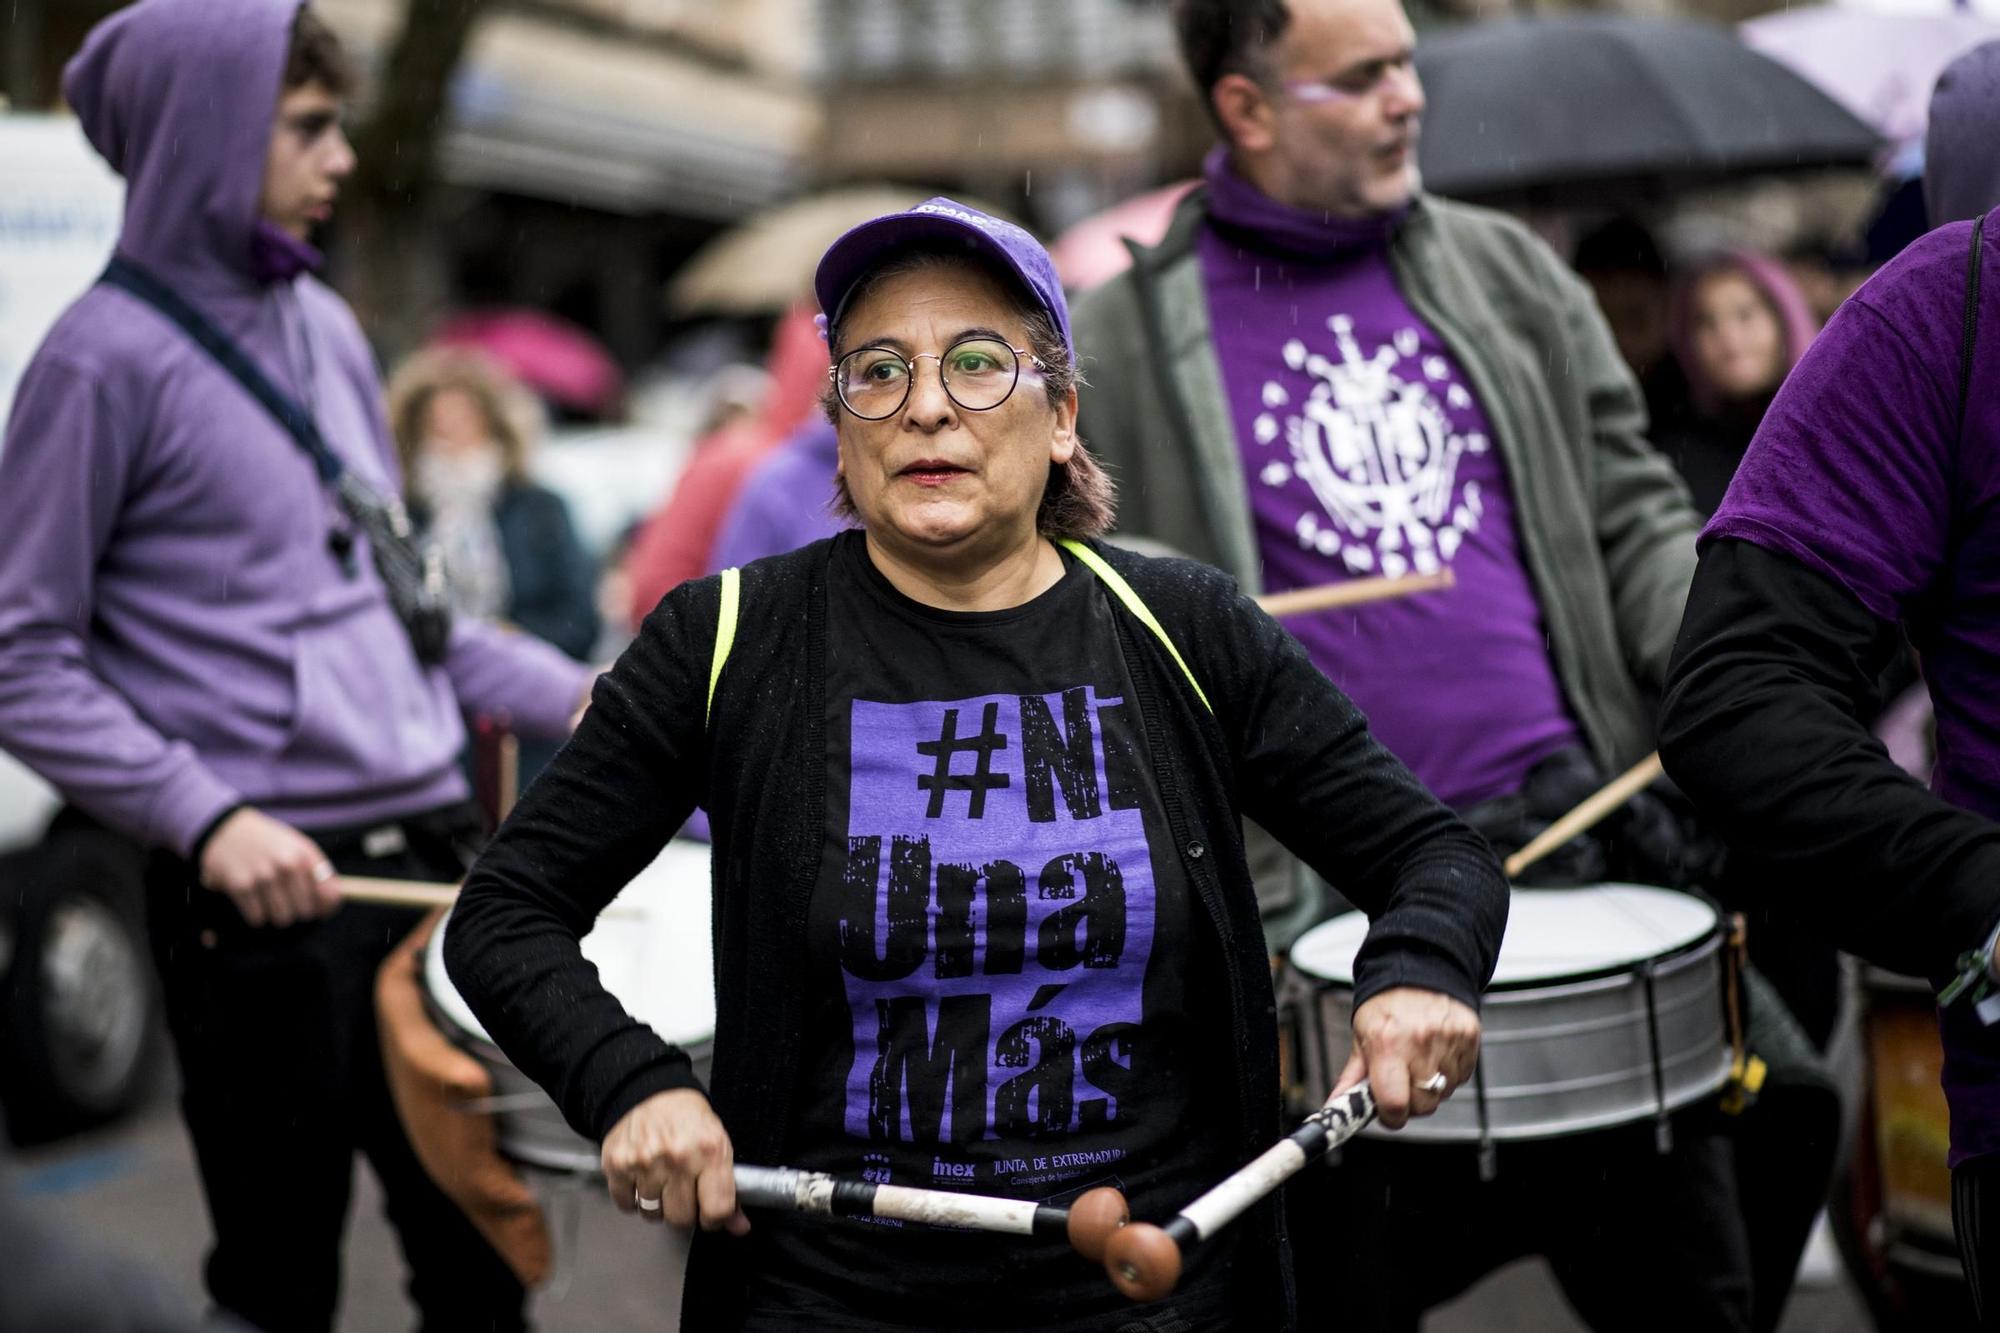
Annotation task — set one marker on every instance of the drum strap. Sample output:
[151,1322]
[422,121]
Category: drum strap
[725,633]
[1113,580]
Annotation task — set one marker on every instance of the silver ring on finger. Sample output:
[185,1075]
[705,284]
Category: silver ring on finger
[322,872]
[1435,1083]
[645,1205]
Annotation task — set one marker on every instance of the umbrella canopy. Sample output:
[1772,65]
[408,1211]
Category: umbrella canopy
[1880,66]
[1093,250]
[552,356]
[766,264]
[1534,104]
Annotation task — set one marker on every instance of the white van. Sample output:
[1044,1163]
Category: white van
[77,1000]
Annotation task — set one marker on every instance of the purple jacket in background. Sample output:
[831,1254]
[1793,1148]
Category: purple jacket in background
[783,504]
[1961,170]
[175,634]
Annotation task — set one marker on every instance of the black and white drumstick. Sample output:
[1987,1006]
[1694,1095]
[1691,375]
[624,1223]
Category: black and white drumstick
[1144,1261]
[781,1187]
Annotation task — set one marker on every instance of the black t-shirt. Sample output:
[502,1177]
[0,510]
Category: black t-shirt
[1016,995]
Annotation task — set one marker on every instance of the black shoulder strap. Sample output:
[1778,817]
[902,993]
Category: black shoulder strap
[1930,607]
[1972,267]
[122,273]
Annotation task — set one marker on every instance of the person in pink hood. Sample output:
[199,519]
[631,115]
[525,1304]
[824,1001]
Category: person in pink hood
[1738,325]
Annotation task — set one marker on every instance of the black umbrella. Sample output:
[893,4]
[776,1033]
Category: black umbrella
[1533,105]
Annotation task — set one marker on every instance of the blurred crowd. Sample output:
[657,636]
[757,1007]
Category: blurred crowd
[1710,334]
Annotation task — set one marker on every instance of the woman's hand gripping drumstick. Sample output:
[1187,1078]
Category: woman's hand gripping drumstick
[1413,1047]
[1588,813]
[670,1160]
[1351,592]
[1145,1261]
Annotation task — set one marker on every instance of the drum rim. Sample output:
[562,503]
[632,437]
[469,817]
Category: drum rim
[1712,937]
[1703,944]
[432,957]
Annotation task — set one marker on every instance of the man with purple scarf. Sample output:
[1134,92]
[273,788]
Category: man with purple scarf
[196,648]
[1865,511]
[1322,373]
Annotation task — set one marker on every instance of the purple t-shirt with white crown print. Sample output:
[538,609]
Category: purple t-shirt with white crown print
[1366,453]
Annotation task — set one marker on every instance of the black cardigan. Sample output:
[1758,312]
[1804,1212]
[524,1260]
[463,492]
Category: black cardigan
[1283,747]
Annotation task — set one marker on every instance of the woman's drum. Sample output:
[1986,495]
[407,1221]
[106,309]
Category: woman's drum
[651,947]
[1606,1008]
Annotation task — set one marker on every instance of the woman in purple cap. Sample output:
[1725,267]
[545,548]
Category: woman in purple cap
[982,917]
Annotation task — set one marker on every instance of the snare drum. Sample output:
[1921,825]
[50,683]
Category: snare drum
[651,948]
[1606,1007]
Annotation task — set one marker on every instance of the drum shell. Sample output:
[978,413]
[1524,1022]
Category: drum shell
[650,947]
[527,1125]
[1559,1058]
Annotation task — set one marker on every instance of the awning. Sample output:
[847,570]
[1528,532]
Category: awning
[625,125]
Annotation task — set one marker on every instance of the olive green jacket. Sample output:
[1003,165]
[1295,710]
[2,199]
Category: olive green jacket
[1606,526]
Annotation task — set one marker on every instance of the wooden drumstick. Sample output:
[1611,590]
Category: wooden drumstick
[425,893]
[395,892]
[1588,813]
[1145,1261]
[795,1191]
[1352,592]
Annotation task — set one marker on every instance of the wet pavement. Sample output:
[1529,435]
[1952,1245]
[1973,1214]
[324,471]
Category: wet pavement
[134,1188]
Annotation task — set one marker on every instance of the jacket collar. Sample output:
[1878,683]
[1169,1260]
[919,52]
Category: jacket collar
[1191,215]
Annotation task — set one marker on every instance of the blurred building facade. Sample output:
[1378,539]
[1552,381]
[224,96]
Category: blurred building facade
[1054,108]
[589,146]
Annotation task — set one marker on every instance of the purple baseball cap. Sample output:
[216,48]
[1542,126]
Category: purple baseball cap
[855,254]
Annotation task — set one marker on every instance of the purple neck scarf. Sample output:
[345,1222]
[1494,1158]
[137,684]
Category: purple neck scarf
[1247,213]
[278,256]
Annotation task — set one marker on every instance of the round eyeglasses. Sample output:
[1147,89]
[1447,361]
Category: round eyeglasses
[978,374]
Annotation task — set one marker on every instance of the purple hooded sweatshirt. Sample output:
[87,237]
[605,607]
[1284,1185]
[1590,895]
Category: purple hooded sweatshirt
[176,636]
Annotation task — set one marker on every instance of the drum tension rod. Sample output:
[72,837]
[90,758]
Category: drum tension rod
[1489,1155]
[1663,1128]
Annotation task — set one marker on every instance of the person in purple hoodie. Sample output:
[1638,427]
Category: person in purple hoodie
[786,503]
[196,648]
[1867,509]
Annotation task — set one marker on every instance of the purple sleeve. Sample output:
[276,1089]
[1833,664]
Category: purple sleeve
[501,671]
[781,507]
[63,474]
[1850,473]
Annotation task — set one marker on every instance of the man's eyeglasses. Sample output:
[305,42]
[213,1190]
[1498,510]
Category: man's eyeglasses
[978,374]
[1353,84]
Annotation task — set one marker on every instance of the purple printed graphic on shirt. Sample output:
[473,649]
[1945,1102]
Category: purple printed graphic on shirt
[996,918]
[1365,452]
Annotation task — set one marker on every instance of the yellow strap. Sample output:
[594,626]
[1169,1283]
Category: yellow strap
[1123,591]
[725,632]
